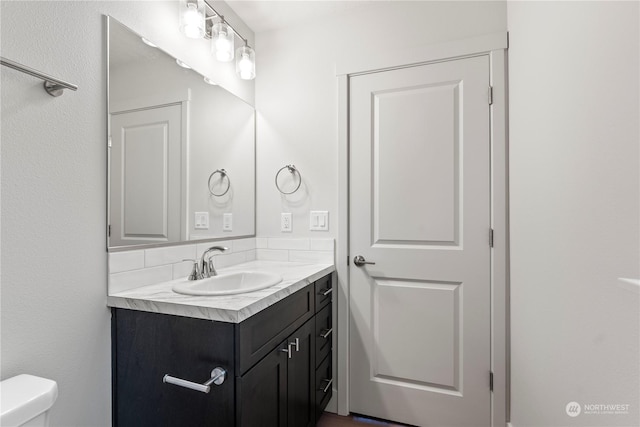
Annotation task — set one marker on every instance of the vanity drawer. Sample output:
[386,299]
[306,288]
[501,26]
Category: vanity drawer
[324,334]
[261,333]
[324,385]
[324,291]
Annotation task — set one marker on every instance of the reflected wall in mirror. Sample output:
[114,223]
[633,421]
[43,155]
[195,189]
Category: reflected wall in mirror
[169,132]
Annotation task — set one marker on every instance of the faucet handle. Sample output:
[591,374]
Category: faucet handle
[195,271]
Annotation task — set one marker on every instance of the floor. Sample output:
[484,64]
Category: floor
[332,420]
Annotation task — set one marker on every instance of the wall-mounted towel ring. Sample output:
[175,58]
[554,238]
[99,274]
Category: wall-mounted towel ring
[223,175]
[293,170]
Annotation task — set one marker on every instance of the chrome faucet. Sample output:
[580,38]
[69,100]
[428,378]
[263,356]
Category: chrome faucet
[208,269]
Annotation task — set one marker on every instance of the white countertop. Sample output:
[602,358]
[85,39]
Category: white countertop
[160,298]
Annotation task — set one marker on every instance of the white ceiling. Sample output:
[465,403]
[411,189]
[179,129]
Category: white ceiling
[266,15]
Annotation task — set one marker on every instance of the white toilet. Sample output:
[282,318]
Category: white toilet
[25,401]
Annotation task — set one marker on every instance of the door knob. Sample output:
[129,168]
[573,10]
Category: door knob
[359,261]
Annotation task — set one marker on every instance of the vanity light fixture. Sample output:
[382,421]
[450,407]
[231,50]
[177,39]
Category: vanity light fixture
[183,64]
[222,41]
[246,62]
[192,18]
[194,15]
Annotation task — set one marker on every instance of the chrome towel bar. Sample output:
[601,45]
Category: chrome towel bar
[217,377]
[52,85]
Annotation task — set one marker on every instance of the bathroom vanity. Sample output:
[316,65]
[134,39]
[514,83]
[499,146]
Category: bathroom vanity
[274,346]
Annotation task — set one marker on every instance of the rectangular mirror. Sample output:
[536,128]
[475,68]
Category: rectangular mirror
[181,150]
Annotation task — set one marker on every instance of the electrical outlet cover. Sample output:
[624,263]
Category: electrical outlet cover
[285,222]
[227,222]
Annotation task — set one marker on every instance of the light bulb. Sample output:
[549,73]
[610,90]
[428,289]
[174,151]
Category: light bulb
[224,50]
[246,63]
[222,40]
[192,18]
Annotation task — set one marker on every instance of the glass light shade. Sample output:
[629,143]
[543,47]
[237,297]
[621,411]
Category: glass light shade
[192,18]
[246,63]
[222,40]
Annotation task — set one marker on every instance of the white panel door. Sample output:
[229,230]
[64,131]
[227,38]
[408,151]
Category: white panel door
[146,175]
[419,209]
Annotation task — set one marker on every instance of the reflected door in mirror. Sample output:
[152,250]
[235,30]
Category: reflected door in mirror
[146,169]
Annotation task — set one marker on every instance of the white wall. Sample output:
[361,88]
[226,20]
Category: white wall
[296,92]
[575,189]
[54,265]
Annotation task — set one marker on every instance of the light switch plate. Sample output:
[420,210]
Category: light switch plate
[227,222]
[319,221]
[201,220]
[285,222]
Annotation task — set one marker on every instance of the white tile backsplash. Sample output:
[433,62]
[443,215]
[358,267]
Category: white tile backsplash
[182,269]
[222,261]
[289,244]
[272,254]
[125,261]
[320,257]
[321,244]
[244,245]
[169,255]
[251,255]
[119,282]
[142,267]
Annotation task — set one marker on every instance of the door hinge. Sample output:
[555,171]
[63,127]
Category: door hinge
[490,95]
[347,259]
[109,230]
[490,381]
[109,142]
[491,237]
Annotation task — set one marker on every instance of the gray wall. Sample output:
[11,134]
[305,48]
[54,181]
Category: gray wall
[575,193]
[55,322]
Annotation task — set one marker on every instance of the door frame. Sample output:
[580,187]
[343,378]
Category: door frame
[495,47]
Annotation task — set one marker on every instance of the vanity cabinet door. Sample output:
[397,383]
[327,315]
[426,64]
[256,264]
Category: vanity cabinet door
[146,346]
[301,377]
[279,391]
[262,392]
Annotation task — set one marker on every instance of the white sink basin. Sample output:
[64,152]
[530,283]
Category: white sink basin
[228,284]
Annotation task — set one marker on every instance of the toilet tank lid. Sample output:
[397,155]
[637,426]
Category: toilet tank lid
[24,397]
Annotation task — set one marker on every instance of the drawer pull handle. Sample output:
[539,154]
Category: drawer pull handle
[326,388]
[287,350]
[217,377]
[295,343]
[325,333]
[325,292]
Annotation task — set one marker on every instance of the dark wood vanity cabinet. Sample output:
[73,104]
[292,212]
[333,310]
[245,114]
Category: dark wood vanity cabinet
[278,365]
